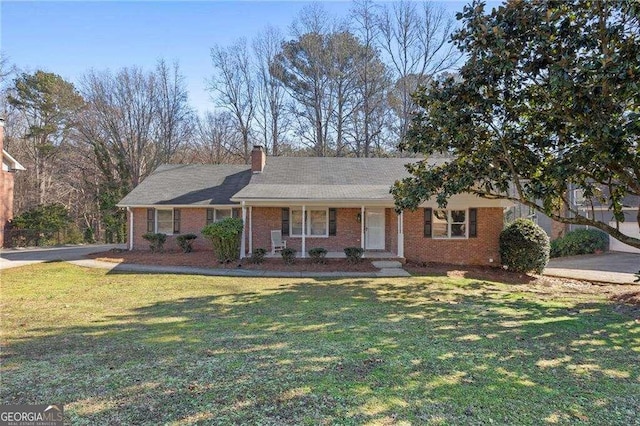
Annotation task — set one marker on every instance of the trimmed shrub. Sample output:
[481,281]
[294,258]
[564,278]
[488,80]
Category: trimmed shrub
[156,241]
[318,254]
[354,254]
[524,247]
[185,242]
[580,241]
[225,237]
[289,255]
[257,256]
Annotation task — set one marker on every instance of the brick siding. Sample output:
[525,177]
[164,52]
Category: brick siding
[471,251]
[474,251]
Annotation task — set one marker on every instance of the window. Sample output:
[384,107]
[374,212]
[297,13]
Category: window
[316,222]
[449,224]
[216,215]
[164,221]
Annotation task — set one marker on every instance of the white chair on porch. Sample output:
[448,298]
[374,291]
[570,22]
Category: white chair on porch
[277,243]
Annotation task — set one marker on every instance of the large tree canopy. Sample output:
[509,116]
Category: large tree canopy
[548,100]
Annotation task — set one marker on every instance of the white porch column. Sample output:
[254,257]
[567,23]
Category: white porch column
[250,229]
[362,219]
[130,228]
[401,234]
[243,251]
[304,233]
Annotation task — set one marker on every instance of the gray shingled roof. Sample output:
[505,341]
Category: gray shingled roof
[194,184]
[312,178]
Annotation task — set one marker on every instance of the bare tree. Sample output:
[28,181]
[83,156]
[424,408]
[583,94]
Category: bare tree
[175,117]
[370,118]
[415,38]
[271,114]
[235,88]
[216,141]
[134,122]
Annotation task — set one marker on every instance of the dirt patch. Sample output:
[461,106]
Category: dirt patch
[206,259]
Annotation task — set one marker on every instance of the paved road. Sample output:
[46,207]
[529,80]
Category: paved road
[612,267]
[11,258]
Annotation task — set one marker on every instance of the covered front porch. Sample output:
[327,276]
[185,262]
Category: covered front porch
[376,228]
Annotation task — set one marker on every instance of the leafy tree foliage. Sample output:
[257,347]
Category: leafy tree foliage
[549,97]
[49,106]
[43,221]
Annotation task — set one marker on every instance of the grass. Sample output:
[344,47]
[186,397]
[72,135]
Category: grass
[165,349]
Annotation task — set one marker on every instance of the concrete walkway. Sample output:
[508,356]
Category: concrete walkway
[612,267]
[13,258]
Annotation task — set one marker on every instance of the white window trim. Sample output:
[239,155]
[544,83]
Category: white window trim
[172,220]
[307,222]
[449,223]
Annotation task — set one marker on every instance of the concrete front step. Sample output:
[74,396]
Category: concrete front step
[387,264]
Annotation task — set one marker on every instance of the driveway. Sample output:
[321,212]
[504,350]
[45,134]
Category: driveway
[11,258]
[612,267]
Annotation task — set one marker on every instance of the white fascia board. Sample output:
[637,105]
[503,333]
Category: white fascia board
[14,163]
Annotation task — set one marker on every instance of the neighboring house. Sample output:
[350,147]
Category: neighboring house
[9,166]
[592,209]
[316,202]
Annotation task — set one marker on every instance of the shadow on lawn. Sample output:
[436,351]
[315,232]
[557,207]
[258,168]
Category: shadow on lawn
[351,352]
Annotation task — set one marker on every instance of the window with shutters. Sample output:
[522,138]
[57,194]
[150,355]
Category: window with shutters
[163,221]
[316,222]
[448,224]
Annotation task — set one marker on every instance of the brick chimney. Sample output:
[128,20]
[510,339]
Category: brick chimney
[258,159]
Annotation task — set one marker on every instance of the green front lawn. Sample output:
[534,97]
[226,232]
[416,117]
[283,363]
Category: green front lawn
[134,349]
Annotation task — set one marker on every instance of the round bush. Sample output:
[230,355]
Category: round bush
[524,247]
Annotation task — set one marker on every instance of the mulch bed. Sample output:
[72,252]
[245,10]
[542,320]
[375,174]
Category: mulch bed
[205,259]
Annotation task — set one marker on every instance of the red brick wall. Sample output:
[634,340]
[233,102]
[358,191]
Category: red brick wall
[476,251]
[391,231]
[192,220]
[266,219]
[473,251]
[6,201]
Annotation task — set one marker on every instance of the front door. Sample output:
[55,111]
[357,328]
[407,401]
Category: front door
[374,229]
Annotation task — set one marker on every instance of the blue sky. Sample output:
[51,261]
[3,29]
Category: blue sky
[69,38]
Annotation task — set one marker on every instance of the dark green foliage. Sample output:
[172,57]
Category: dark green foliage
[524,247]
[156,241]
[89,236]
[225,237]
[548,98]
[289,255]
[580,241]
[354,254]
[185,242]
[41,223]
[318,254]
[638,279]
[257,256]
